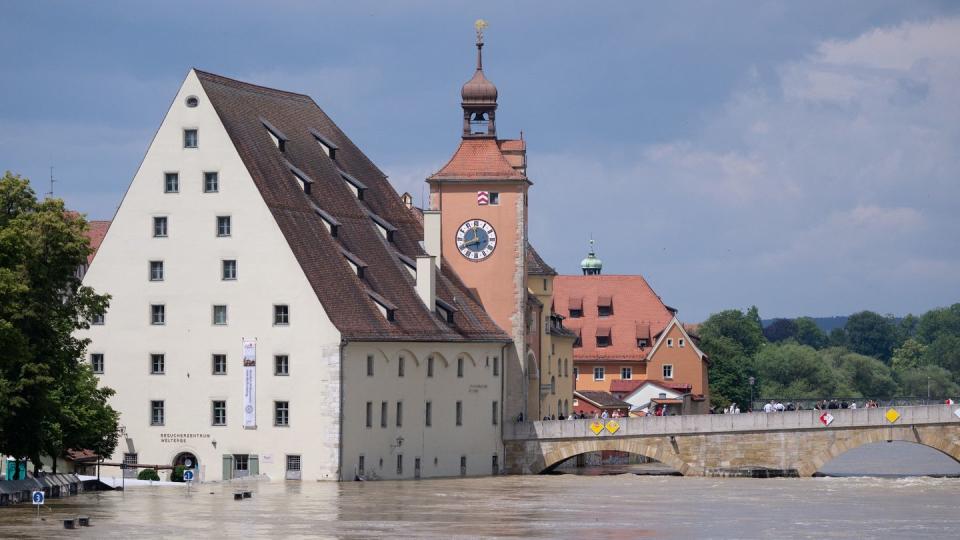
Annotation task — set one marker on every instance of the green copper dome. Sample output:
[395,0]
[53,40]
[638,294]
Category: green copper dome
[592,264]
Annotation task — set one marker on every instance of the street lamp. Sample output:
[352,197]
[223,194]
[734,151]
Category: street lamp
[751,380]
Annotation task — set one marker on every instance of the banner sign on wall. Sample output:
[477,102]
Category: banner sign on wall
[249,383]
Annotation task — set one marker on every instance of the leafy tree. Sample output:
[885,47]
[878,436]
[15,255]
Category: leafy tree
[148,474]
[910,355]
[809,334]
[908,327]
[939,321]
[790,370]
[837,338]
[868,376]
[925,380]
[50,399]
[780,330]
[871,334]
[945,352]
[731,338]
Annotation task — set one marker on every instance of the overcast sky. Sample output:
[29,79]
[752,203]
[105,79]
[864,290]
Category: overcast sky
[800,156]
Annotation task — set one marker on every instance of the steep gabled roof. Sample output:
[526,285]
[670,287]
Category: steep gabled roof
[636,309]
[96,233]
[601,400]
[536,266]
[477,159]
[346,297]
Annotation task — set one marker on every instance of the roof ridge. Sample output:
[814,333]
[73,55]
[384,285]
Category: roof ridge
[250,87]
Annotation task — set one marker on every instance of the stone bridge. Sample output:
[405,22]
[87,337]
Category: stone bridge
[793,443]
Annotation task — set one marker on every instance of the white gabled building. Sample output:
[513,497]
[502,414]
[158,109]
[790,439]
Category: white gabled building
[254,219]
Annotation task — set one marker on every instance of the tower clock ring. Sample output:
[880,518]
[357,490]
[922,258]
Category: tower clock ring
[476,239]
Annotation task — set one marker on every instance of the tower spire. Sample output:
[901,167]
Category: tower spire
[591,265]
[480,25]
[479,97]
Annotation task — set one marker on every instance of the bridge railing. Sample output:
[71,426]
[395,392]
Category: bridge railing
[805,403]
[730,423]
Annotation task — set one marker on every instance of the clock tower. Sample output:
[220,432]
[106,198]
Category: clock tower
[478,200]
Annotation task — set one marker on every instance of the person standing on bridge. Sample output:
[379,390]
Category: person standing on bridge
[768,407]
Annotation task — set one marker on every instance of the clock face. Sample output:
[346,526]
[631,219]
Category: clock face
[476,239]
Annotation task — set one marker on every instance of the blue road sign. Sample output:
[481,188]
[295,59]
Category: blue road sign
[188,475]
[37,497]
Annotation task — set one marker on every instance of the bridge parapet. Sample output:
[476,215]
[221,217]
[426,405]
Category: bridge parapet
[731,423]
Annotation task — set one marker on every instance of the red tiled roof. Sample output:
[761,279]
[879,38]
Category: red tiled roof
[512,145]
[345,296]
[635,306]
[96,232]
[600,399]
[478,159]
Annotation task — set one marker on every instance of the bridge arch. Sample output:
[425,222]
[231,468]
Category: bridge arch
[642,447]
[858,438]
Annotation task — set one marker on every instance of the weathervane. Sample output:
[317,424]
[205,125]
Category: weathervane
[480,25]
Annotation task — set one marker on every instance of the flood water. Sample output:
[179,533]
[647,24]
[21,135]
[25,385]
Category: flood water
[620,506]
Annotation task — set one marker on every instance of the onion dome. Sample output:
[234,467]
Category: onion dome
[592,264]
[479,90]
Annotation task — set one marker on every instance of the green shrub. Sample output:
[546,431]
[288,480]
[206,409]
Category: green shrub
[148,474]
[177,475]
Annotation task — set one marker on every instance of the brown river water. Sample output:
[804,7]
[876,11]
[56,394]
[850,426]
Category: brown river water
[584,506]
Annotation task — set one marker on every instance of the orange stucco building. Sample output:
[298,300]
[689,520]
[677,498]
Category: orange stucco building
[626,332]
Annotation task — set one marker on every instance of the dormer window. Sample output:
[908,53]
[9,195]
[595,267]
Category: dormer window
[277,136]
[387,309]
[605,306]
[326,144]
[643,343]
[304,181]
[355,262]
[578,342]
[329,221]
[603,336]
[576,308]
[355,185]
[384,227]
[445,311]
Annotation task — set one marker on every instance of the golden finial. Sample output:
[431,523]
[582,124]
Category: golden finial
[480,25]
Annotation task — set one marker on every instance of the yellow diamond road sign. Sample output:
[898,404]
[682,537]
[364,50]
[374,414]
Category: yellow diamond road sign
[596,427]
[613,426]
[892,415]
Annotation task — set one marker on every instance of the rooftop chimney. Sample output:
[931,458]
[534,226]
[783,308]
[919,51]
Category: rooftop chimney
[427,280]
[431,234]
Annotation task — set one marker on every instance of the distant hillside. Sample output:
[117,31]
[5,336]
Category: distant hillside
[825,323]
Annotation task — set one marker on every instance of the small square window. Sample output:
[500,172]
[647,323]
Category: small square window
[190,138]
[171,182]
[223,226]
[220,315]
[576,313]
[281,315]
[156,270]
[158,314]
[626,373]
[98,319]
[598,373]
[281,413]
[669,342]
[96,362]
[211,182]
[158,364]
[160,226]
[681,343]
[603,341]
[667,371]
[219,413]
[156,413]
[605,311]
[281,365]
[229,270]
[494,198]
[642,343]
[219,364]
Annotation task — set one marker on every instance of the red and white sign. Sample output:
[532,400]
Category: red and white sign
[483,198]
[826,418]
